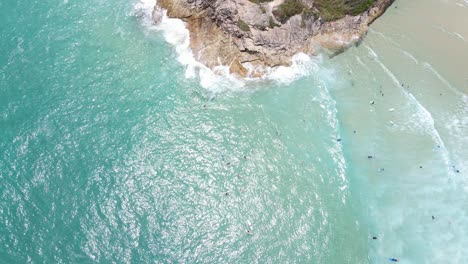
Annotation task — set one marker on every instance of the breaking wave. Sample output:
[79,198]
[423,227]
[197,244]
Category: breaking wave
[219,78]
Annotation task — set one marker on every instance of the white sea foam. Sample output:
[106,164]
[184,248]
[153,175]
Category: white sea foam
[448,237]
[328,105]
[411,56]
[301,66]
[388,39]
[429,67]
[219,78]
[144,8]
[454,34]
[176,34]
[421,120]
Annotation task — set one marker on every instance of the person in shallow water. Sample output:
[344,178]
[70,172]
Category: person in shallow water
[393,259]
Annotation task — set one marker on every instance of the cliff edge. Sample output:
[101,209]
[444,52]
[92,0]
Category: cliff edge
[267,33]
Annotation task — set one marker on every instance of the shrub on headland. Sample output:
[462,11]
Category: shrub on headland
[331,10]
[243,26]
[288,9]
[328,10]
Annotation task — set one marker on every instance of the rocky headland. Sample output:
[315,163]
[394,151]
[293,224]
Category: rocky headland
[267,33]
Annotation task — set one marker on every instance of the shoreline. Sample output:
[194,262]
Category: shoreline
[216,38]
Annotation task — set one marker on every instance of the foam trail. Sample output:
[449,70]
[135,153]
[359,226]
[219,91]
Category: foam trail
[328,104]
[409,55]
[384,37]
[444,81]
[422,112]
[144,9]
[361,62]
[176,34]
[454,34]
[302,65]
[448,239]
[406,53]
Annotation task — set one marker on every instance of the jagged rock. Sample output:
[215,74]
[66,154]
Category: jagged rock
[235,32]
[237,68]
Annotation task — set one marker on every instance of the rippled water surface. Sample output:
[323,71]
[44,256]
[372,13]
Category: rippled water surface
[116,147]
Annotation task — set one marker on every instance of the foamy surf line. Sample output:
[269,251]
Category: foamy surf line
[425,117]
[219,78]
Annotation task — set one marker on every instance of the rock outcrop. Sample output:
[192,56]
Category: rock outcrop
[268,32]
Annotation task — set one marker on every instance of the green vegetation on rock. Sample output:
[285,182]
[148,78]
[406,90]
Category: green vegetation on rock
[288,9]
[331,10]
[272,23]
[328,10]
[243,26]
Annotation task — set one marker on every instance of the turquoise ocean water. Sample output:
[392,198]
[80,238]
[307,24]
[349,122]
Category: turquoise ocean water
[116,147]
